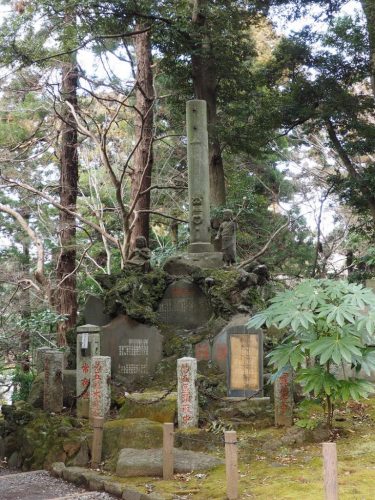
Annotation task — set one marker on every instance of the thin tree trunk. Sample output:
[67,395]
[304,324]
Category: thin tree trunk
[368,7]
[144,123]
[66,294]
[205,84]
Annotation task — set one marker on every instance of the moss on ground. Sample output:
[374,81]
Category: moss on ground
[286,472]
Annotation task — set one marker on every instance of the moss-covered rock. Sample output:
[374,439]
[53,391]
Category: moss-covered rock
[136,294]
[130,433]
[141,405]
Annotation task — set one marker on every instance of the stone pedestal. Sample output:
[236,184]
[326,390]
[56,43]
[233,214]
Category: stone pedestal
[88,345]
[284,401]
[187,394]
[53,381]
[100,386]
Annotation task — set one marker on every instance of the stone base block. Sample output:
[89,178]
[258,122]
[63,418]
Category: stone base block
[185,264]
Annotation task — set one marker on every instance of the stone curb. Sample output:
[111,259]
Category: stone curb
[94,481]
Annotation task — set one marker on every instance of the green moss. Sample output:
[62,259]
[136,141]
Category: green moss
[160,411]
[136,294]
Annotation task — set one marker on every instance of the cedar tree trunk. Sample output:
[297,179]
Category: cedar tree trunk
[144,125]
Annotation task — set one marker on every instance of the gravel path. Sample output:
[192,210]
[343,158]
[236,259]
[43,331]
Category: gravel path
[39,485]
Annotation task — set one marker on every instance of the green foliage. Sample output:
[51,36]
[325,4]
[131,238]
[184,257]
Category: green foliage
[329,322]
[22,382]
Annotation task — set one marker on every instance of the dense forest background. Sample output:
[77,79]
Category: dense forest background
[93,146]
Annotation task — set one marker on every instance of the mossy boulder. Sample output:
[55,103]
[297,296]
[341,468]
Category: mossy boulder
[135,294]
[139,433]
[149,405]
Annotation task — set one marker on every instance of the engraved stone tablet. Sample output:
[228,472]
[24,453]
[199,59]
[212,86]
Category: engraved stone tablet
[94,311]
[184,305]
[134,348]
[245,363]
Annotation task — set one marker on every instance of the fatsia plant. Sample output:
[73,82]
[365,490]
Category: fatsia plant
[330,326]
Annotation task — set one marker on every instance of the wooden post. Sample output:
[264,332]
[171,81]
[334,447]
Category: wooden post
[168,461]
[97,441]
[330,471]
[231,465]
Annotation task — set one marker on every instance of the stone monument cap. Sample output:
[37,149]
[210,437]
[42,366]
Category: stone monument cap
[88,329]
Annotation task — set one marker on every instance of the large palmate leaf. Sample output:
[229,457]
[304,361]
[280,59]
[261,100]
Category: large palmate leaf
[318,381]
[339,349]
[354,388]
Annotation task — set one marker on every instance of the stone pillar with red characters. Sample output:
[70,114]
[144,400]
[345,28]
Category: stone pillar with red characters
[100,386]
[187,394]
[284,401]
[88,345]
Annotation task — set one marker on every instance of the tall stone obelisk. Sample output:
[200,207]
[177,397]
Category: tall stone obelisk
[200,252]
[199,180]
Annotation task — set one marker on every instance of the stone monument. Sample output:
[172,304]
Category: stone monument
[53,381]
[88,345]
[200,251]
[184,305]
[135,348]
[245,362]
[187,394]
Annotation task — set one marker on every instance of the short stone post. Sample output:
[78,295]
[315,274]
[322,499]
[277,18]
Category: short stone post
[88,345]
[231,464]
[39,358]
[331,491]
[53,381]
[284,401]
[97,441]
[100,388]
[187,394]
[168,459]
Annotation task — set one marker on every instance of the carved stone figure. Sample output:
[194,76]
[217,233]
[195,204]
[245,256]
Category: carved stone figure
[227,232]
[141,255]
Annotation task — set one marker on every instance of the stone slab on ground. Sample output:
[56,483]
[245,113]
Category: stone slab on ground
[132,462]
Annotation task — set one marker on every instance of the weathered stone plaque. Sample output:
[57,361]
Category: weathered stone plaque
[184,305]
[245,362]
[94,311]
[134,348]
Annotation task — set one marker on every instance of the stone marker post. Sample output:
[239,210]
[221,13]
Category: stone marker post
[88,345]
[284,402]
[199,179]
[187,394]
[100,389]
[331,489]
[53,381]
[39,358]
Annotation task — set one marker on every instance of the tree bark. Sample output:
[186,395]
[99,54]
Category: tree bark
[66,294]
[205,83]
[144,124]
[368,7]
